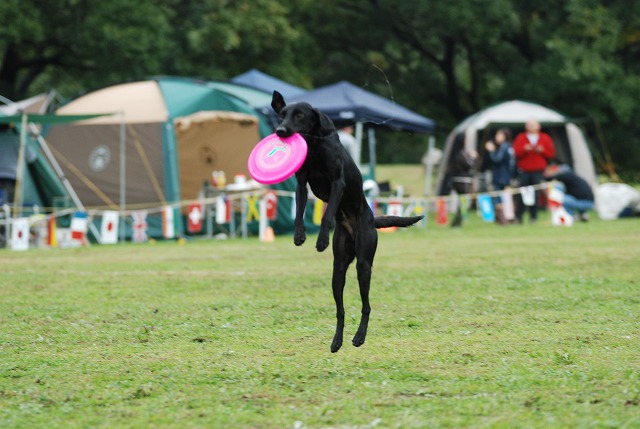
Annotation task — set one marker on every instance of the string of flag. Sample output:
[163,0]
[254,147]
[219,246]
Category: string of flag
[252,206]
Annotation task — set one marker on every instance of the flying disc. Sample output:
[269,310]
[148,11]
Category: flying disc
[275,159]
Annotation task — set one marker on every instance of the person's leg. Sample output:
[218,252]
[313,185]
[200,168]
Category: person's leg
[535,178]
[522,181]
[572,205]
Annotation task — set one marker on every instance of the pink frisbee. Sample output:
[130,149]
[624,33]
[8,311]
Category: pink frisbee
[275,159]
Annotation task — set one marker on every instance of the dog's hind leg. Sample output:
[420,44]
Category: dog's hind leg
[366,245]
[343,255]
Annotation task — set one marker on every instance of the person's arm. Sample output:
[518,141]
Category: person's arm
[547,148]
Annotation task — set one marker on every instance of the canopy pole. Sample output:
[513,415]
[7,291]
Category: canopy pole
[429,168]
[123,178]
[372,152]
[358,136]
[17,200]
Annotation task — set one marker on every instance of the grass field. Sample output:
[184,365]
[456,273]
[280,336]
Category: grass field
[528,326]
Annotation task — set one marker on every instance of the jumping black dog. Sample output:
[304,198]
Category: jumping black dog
[334,178]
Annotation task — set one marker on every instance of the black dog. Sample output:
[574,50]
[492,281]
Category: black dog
[334,178]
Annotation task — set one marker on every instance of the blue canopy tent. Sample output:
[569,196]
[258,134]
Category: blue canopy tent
[347,104]
[262,81]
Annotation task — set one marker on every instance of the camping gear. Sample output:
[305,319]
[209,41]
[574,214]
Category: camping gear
[274,159]
[570,142]
[614,200]
[169,136]
[347,104]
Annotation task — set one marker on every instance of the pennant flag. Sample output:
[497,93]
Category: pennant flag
[528,195]
[194,218]
[464,203]
[560,217]
[168,222]
[293,206]
[318,211]
[556,197]
[271,199]
[52,239]
[442,215]
[109,227]
[485,203]
[139,226]
[20,234]
[223,210]
[253,210]
[508,208]
[373,205]
[394,207]
[79,224]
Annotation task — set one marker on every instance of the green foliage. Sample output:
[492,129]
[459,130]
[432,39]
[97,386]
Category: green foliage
[528,326]
[444,60]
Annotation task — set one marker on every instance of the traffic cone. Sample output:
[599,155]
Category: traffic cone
[269,236]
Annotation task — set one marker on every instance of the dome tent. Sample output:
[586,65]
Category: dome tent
[571,144]
[176,132]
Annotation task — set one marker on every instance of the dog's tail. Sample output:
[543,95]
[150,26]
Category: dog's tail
[388,221]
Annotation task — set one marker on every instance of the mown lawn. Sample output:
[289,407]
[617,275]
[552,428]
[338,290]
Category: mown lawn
[527,326]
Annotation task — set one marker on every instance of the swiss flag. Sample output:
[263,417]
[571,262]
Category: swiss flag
[194,218]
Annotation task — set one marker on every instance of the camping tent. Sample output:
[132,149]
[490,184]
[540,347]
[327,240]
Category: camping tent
[571,144]
[262,81]
[169,134]
[40,185]
[347,104]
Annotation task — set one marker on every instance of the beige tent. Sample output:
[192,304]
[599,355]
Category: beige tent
[168,137]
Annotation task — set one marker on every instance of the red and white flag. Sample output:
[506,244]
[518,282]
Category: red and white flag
[79,224]
[394,207]
[194,218]
[20,234]
[271,199]
[223,210]
[139,226]
[109,227]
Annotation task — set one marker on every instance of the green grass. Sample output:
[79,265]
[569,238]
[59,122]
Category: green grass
[527,326]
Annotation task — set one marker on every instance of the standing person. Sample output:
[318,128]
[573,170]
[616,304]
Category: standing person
[501,162]
[533,150]
[578,195]
[349,142]
[461,170]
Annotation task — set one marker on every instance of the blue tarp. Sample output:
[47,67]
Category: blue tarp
[259,80]
[345,103]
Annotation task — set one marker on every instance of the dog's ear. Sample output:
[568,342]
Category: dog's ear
[277,102]
[324,122]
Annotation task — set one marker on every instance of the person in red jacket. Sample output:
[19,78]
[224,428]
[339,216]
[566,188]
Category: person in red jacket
[533,150]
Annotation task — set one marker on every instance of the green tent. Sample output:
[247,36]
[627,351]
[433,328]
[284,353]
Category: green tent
[176,131]
[38,183]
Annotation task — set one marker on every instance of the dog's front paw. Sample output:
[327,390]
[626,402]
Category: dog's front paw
[323,241]
[299,237]
[336,343]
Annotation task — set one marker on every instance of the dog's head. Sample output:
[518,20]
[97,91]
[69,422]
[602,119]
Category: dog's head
[300,118]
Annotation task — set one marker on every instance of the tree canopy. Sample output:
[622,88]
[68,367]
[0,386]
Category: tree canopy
[444,60]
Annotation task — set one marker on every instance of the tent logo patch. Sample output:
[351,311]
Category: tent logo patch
[99,158]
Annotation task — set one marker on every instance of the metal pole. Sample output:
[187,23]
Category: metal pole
[429,171]
[17,200]
[123,178]
[372,153]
